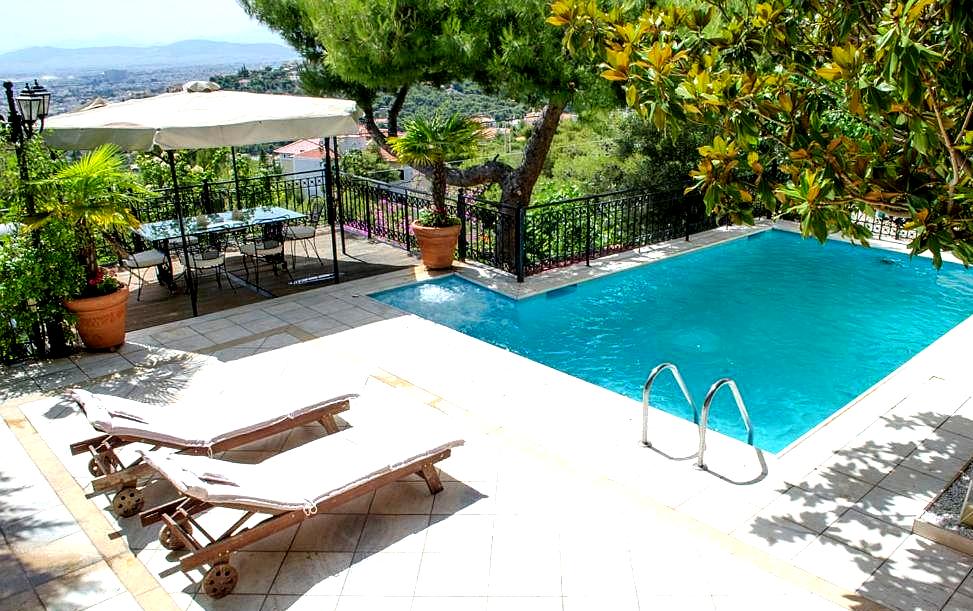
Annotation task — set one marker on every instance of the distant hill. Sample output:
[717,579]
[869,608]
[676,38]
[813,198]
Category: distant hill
[58,61]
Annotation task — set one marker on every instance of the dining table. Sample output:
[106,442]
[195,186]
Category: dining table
[162,233]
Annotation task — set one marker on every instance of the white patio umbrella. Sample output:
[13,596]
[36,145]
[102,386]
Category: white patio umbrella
[203,116]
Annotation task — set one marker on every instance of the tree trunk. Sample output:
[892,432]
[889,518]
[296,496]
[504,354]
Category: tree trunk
[439,189]
[516,184]
[87,252]
[395,109]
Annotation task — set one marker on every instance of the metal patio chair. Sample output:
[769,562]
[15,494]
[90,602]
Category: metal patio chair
[305,231]
[208,255]
[138,263]
[262,242]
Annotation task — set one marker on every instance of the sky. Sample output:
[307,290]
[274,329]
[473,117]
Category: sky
[96,23]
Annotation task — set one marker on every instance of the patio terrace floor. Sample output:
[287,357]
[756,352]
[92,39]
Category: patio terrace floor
[551,504]
[364,258]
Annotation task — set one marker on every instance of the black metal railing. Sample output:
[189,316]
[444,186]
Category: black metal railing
[297,191]
[519,241]
[885,227]
[380,210]
[569,231]
[527,241]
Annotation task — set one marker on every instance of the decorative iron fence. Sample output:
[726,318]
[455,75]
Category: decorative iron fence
[519,241]
[531,240]
[565,232]
[885,227]
[296,191]
[380,210]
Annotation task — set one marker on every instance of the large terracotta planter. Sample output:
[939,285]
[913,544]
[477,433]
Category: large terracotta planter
[437,245]
[101,320]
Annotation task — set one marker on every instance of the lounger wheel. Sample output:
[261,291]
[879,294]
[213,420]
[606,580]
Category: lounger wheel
[170,541]
[94,468]
[127,502]
[220,580]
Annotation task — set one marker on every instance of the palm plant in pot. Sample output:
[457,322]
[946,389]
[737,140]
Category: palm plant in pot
[94,195]
[429,142]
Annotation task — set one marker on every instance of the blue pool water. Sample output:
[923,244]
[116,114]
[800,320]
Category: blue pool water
[803,328]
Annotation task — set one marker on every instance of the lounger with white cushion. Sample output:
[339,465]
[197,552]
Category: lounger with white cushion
[203,426]
[291,487]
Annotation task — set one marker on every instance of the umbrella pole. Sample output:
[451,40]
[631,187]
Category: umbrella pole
[337,190]
[182,229]
[329,198]
[236,178]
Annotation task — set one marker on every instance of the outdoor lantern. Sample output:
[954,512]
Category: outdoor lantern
[34,102]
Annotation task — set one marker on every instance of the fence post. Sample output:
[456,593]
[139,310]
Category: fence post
[461,213]
[367,191]
[520,230]
[341,198]
[207,204]
[408,235]
[587,234]
[685,220]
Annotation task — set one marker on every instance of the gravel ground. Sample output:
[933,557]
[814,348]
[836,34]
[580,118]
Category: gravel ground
[945,511]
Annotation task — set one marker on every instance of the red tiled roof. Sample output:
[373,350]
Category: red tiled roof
[310,148]
[300,147]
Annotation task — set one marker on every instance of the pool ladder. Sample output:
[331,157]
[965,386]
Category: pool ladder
[700,419]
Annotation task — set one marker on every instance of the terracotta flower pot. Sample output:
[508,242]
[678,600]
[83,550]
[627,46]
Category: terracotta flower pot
[437,245]
[101,320]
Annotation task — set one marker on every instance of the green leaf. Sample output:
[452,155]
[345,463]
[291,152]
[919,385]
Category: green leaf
[829,72]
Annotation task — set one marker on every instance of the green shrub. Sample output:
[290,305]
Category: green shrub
[34,282]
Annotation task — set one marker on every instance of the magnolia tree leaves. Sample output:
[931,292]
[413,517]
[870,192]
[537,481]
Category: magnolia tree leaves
[820,109]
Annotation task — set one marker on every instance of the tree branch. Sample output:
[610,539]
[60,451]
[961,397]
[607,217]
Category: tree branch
[539,143]
[959,164]
[489,172]
[369,114]
[966,122]
[395,109]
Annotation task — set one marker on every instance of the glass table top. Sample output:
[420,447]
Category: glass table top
[220,221]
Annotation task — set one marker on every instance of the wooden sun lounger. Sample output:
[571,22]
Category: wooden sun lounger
[111,474]
[221,578]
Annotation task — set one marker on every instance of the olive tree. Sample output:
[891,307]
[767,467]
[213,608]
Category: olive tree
[360,48]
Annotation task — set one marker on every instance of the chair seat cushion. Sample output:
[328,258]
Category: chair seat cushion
[300,232]
[263,248]
[204,260]
[146,258]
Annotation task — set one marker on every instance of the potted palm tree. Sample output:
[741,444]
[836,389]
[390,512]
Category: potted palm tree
[94,194]
[429,143]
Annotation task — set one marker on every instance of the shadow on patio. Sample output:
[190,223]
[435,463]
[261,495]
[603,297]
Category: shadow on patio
[850,521]
[364,258]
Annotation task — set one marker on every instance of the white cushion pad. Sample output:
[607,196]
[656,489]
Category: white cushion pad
[146,258]
[230,402]
[313,472]
[300,232]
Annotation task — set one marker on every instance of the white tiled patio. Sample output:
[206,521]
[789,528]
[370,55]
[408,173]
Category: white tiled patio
[551,504]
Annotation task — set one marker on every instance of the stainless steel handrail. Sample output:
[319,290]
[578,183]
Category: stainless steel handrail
[647,392]
[707,403]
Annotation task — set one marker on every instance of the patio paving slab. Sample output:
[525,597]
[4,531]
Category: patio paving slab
[518,492]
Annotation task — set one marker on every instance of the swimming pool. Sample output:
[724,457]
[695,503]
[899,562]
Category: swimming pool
[802,327]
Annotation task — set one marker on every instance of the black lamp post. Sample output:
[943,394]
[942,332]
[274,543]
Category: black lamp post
[32,104]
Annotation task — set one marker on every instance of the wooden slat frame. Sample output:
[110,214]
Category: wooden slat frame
[102,448]
[230,542]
